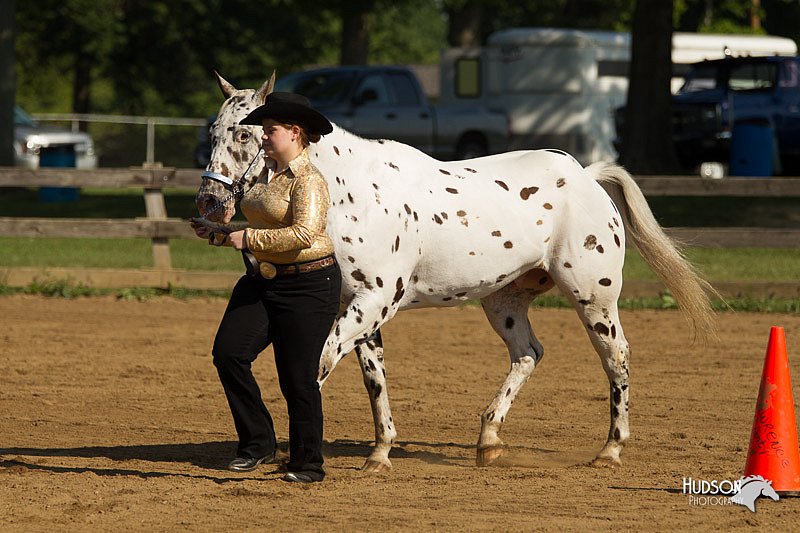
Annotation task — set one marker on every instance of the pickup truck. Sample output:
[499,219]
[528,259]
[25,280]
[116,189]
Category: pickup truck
[718,95]
[382,102]
[35,145]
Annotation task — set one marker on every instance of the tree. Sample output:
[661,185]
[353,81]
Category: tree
[355,16]
[648,144]
[7,85]
[466,22]
[409,32]
[76,33]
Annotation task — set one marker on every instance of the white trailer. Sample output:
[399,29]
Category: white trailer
[560,87]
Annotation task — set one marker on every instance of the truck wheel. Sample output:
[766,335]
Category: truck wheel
[471,148]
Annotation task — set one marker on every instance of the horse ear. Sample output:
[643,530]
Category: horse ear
[226,88]
[266,88]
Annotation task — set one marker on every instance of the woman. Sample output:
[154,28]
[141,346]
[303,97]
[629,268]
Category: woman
[293,300]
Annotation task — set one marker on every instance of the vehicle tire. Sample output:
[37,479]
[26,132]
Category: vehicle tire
[471,147]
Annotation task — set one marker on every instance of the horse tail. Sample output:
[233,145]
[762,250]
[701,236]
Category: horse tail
[662,253]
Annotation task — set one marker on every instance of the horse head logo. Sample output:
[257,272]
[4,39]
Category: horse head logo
[751,488]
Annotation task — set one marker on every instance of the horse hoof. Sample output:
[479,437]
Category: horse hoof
[487,456]
[372,465]
[605,462]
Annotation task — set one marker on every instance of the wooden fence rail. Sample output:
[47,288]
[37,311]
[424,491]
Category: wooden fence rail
[159,227]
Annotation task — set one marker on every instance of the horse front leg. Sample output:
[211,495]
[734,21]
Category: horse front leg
[370,357]
[357,328]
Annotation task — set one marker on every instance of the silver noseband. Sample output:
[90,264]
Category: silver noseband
[236,187]
[216,176]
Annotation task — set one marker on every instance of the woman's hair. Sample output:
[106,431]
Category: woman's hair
[306,138]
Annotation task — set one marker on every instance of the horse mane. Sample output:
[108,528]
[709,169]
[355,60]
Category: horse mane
[751,479]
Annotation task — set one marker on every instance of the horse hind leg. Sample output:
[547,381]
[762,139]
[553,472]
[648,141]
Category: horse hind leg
[594,297]
[507,311]
[370,357]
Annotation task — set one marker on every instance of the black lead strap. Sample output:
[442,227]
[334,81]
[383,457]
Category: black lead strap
[250,263]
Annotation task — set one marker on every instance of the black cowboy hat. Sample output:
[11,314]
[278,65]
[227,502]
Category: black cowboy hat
[292,108]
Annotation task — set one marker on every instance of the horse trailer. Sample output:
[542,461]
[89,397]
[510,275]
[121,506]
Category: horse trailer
[560,87]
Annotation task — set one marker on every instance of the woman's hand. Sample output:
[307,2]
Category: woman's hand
[237,239]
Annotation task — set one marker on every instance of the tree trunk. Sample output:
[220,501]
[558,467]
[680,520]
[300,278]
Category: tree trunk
[81,93]
[755,14]
[355,33]
[464,27]
[648,144]
[7,83]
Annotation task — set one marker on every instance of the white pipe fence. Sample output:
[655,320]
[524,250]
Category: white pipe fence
[151,122]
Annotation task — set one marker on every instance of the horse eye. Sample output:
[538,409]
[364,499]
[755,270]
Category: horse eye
[244,136]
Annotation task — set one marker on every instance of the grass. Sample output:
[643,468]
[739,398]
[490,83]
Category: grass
[186,254]
[94,203]
[735,264]
[729,264]
[717,264]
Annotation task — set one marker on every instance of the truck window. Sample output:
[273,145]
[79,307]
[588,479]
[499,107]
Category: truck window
[404,90]
[701,78]
[468,77]
[789,74]
[753,77]
[374,86]
[321,88]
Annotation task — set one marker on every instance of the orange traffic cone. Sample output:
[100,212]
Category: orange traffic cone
[774,452]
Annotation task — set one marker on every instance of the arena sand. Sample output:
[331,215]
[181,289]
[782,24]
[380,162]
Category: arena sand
[112,418]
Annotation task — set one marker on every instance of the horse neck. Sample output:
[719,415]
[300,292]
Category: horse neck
[340,147]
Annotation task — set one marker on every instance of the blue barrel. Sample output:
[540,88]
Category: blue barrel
[61,157]
[751,148]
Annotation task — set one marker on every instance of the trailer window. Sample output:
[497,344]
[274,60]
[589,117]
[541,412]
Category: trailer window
[468,77]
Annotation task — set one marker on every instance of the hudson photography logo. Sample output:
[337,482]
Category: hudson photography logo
[742,491]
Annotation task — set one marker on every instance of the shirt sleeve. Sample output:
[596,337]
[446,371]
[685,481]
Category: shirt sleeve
[309,200]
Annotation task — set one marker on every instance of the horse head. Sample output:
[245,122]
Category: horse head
[233,149]
[750,489]
[768,491]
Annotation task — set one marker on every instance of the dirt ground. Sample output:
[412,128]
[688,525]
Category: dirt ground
[112,418]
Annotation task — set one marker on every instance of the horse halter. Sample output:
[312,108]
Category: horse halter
[236,187]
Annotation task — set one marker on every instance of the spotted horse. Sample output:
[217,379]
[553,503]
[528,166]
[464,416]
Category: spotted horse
[410,232]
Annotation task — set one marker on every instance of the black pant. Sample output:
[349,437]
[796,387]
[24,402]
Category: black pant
[295,314]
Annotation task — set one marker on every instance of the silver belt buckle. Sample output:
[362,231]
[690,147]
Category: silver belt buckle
[268,270]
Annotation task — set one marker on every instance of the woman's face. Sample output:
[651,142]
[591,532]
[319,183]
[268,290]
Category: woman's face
[279,141]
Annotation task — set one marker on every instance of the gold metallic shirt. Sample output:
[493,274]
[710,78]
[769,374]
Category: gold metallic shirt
[287,212]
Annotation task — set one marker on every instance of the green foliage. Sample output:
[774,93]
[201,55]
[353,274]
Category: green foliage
[60,288]
[759,305]
[407,32]
[156,57]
